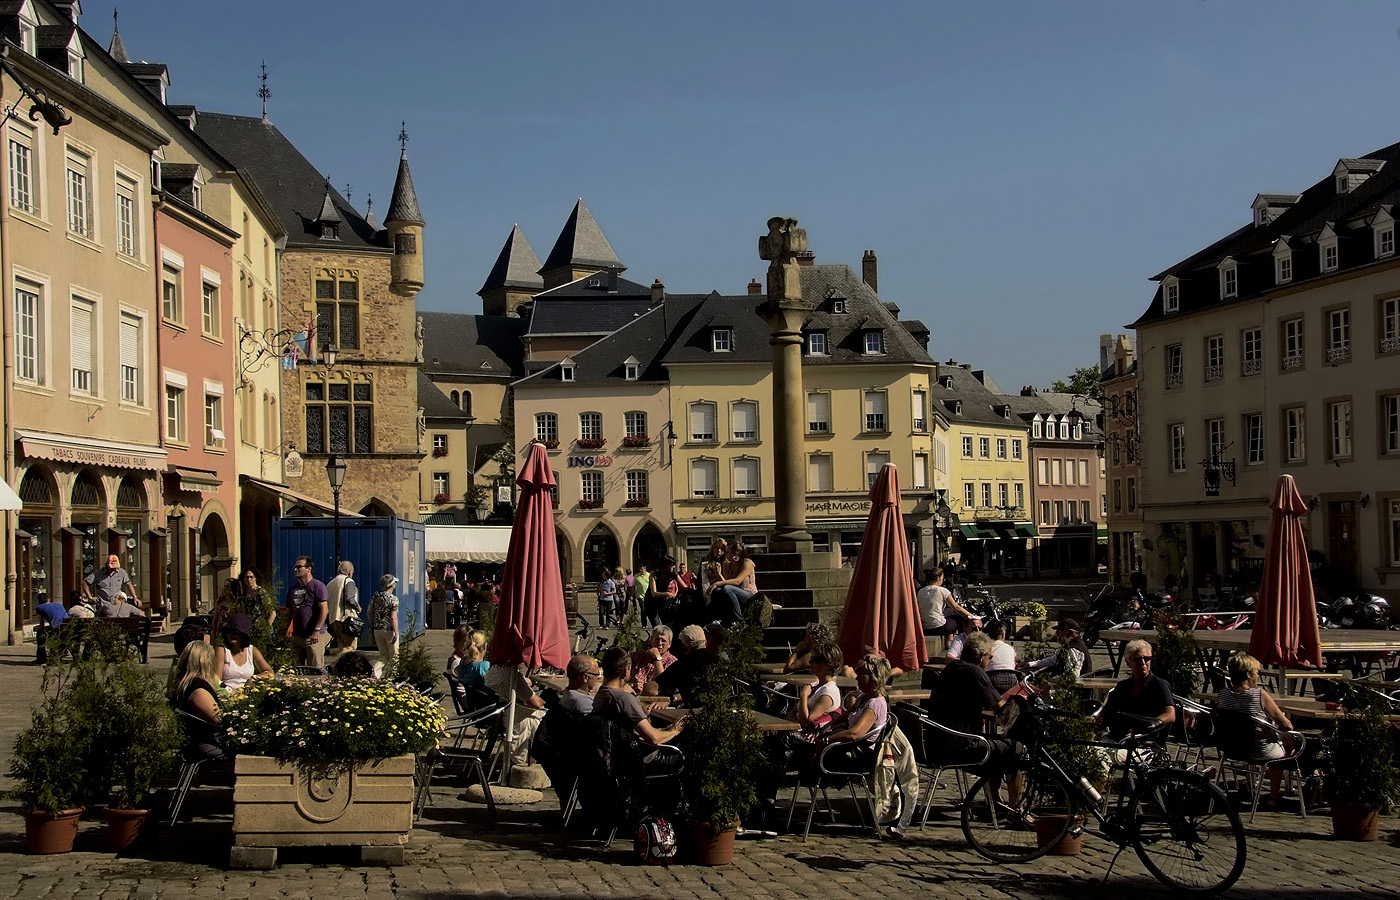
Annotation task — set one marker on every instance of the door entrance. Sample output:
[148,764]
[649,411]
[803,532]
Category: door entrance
[599,552]
[1341,543]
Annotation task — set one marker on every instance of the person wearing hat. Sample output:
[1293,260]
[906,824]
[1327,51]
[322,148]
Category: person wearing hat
[384,621]
[241,660]
[1072,658]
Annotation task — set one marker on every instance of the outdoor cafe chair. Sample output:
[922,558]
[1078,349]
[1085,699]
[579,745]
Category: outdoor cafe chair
[832,772]
[939,748]
[192,762]
[1237,733]
[476,760]
[1191,734]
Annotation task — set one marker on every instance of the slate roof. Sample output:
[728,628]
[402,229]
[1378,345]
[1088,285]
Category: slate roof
[516,267]
[403,204]
[116,49]
[649,338]
[693,339]
[582,243]
[53,37]
[293,187]
[845,331]
[591,315]
[434,402]
[597,285]
[1053,403]
[1252,246]
[461,343]
[978,403]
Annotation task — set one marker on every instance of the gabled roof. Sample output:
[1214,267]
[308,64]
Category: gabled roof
[582,243]
[978,403]
[434,402]
[647,338]
[864,311]
[588,315]
[295,190]
[328,213]
[1054,403]
[516,267]
[464,344]
[692,341]
[403,204]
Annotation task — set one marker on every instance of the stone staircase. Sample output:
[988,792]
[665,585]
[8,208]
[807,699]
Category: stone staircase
[806,589]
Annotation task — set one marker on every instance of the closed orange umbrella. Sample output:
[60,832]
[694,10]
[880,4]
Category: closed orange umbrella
[1285,617]
[882,614]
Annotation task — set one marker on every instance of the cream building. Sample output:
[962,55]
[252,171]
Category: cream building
[1122,444]
[1277,350]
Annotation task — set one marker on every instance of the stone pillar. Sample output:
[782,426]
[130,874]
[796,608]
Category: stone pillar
[785,312]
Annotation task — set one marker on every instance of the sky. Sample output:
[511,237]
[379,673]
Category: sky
[1021,169]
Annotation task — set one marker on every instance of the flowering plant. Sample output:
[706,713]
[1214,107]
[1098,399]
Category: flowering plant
[590,504]
[591,443]
[633,441]
[330,720]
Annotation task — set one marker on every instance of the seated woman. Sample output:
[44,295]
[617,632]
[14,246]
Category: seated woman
[241,660]
[226,605]
[353,664]
[653,659]
[193,692]
[1244,695]
[466,666]
[866,720]
[732,593]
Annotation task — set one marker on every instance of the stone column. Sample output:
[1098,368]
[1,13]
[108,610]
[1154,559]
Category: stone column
[785,311]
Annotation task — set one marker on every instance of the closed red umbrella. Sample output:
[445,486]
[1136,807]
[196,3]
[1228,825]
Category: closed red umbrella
[1285,616]
[882,614]
[531,624]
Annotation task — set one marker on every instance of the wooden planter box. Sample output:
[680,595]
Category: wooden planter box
[370,806]
[1033,629]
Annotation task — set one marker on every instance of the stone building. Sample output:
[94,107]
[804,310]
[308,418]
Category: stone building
[343,283]
[1122,445]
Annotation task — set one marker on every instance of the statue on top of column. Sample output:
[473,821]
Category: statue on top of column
[780,246]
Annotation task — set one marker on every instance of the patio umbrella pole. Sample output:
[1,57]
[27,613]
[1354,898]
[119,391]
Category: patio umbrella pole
[509,736]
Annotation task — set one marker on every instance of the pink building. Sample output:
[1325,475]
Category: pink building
[196,348]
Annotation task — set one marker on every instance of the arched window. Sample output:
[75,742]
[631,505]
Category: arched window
[466,403]
[455,400]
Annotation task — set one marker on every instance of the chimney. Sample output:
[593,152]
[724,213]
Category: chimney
[612,281]
[1105,353]
[868,271]
[755,289]
[658,292]
[807,258]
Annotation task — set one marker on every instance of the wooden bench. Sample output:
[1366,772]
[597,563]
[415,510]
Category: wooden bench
[136,629]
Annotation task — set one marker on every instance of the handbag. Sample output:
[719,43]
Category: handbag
[655,841]
[352,625]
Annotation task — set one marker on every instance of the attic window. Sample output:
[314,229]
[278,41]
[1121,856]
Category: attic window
[1005,411]
[1327,249]
[945,381]
[722,340]
[838,304]
[330,231]
[874,342]
[1229,279]
[1036,427]
[1283,262]
[1383,231]
[630,368]
[1171,295]
[566,370]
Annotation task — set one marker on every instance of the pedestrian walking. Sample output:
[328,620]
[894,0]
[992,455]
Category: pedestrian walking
[384,620]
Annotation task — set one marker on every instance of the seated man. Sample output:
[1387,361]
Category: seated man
[653,659]
[1073,656]
[1003,654]
[529,708]
[682,680]
[964,693]
[618,704]
[973,624]
[584,677]
[1141,696]
[119,608]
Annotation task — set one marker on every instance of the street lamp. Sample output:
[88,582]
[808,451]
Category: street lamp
[328,354]
[335,473]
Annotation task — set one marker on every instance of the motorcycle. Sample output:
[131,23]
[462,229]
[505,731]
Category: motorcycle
[1362,611]
[1107,613]
[983,603]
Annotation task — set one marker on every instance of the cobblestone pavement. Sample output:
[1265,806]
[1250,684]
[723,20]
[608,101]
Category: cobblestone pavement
[455,851]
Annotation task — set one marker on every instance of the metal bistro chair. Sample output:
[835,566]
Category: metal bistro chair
[486,724]
[191,763]
[1191,734]
[1004,680]
[939,748]
[1238,733]
[831,774]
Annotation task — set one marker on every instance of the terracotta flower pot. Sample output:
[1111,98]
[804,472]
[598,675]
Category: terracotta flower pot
[1048,826]
[51,832]
[709,847]
[1355,821]
[124,827]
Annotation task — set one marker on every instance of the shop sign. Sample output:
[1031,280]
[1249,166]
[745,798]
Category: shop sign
[726,509]
[589,462]
[839,506]
[111,459]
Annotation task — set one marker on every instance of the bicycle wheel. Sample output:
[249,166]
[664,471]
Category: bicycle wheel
[1020,831]
[1186,832]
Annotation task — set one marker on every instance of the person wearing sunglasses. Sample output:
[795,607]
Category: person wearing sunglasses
[1140,697]
[306,602]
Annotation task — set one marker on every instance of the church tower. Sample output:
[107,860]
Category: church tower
[404,222]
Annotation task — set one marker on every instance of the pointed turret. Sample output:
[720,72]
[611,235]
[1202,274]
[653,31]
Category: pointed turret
[329,219]
[116,49]
[514,279]
[580,250]
[404,222]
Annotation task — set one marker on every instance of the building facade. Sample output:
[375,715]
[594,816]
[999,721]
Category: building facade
[1122,444]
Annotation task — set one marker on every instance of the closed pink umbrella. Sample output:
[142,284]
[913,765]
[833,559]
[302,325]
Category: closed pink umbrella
[882,614]
[1285,617]
[531,624]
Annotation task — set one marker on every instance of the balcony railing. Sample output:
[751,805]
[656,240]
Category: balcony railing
[1293,361]
[1251,367]
[1215,373]
[1390,344]
[1174,380]
[1340,353]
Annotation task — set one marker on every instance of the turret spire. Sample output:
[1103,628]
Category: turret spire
[116,49]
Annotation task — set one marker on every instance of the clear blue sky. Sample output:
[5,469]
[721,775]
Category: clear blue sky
[1021,169]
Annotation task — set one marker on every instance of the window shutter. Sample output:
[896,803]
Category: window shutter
[702,473]
[744,419]
[130,343]
[744,477]
[920,402]
[82,337]
[814,474]
[702,421]
[920,471]
[818,407]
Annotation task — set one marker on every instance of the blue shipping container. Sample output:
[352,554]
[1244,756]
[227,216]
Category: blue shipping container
[374,545]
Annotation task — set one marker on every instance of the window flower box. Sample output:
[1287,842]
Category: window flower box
[590,504]
[637,504]
[591,443]
[442,498]
[636,441]
[548,445]
[439,452]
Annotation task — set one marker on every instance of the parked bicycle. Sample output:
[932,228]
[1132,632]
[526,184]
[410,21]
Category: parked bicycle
[1181,826]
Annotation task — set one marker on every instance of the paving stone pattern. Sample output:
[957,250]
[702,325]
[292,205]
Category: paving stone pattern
[455,851]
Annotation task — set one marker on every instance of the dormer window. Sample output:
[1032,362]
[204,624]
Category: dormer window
[27,33]
[954,406]
[1327,248]
[1383,232]
[1350,174]
[566,370]
[945,381]
[630,368]
[1171,295]
[1229,278]
[874,342]
[1283,261]
[838,304]
[1037,424]
[816,343]
[722,340]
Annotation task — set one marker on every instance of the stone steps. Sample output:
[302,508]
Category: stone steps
[807,589]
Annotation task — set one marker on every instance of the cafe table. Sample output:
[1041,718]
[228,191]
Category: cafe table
[800,678]
[557,682]
[765,722]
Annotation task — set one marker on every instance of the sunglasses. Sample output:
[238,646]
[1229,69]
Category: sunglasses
[1146,659]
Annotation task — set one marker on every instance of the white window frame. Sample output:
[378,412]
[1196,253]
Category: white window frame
[1176,446]
[634,424]
[1295,434]
[1016,448]
[131,365]
[1283,263]
[736,434]
[1383,229]
[211,304]
[710,465]
[919,475]
[172,275]
[442,485]
[1174,365]
[969,496]
[1215,438]
[1328,256]
[722,340]
[1215,357]
[986,495]
[967,446]
[566,371]
[702,436]
[590,483]
[78,176]
[547,427]
[1001,448]
[919,410]
[214,435]
[1339,427]
[1252,427]
[1018,491]
[1390,424]
[984,447]
[32,361]
[1294,334]
[1251,351]
[875,460]
[78,303]
[590,426]
[638,486]
[1042,469]
[818,412]
[176,412]
[821,475]
[1389,325]
[1339,334]
[126,189]
[24,160]
[1229,279]
[873,342]
[750,465]
[875,412]
[816,343]
[1171,295]
[631,369]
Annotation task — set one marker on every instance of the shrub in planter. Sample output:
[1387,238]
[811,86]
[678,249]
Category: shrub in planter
[1360,771]
[635,441]
[415,666]
[591,443]
[1174,658]
[1078,761]
[141,736]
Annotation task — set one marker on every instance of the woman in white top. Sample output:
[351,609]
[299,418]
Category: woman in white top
[817,702]
[241,660]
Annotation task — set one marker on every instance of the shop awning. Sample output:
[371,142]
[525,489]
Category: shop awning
[467,543]
[1103,534]
[89,451]
[200,481]
[1026,529]
[973,533]
[8,498]
[295,496]
[439,518]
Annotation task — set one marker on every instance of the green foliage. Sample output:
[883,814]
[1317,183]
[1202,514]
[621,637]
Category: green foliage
[415,666]
[630,636]
[1086,380]
[723,772]
[1030,609]
[1063,733]
[49,761]
[1174,658]
[330,722]
[1360,766]
[141,734]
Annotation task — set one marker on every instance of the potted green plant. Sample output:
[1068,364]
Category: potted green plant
[1027,619]
[142,736]
[1175,657]
[1360,776]
[1064,736]
[416,667]
[722,778]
